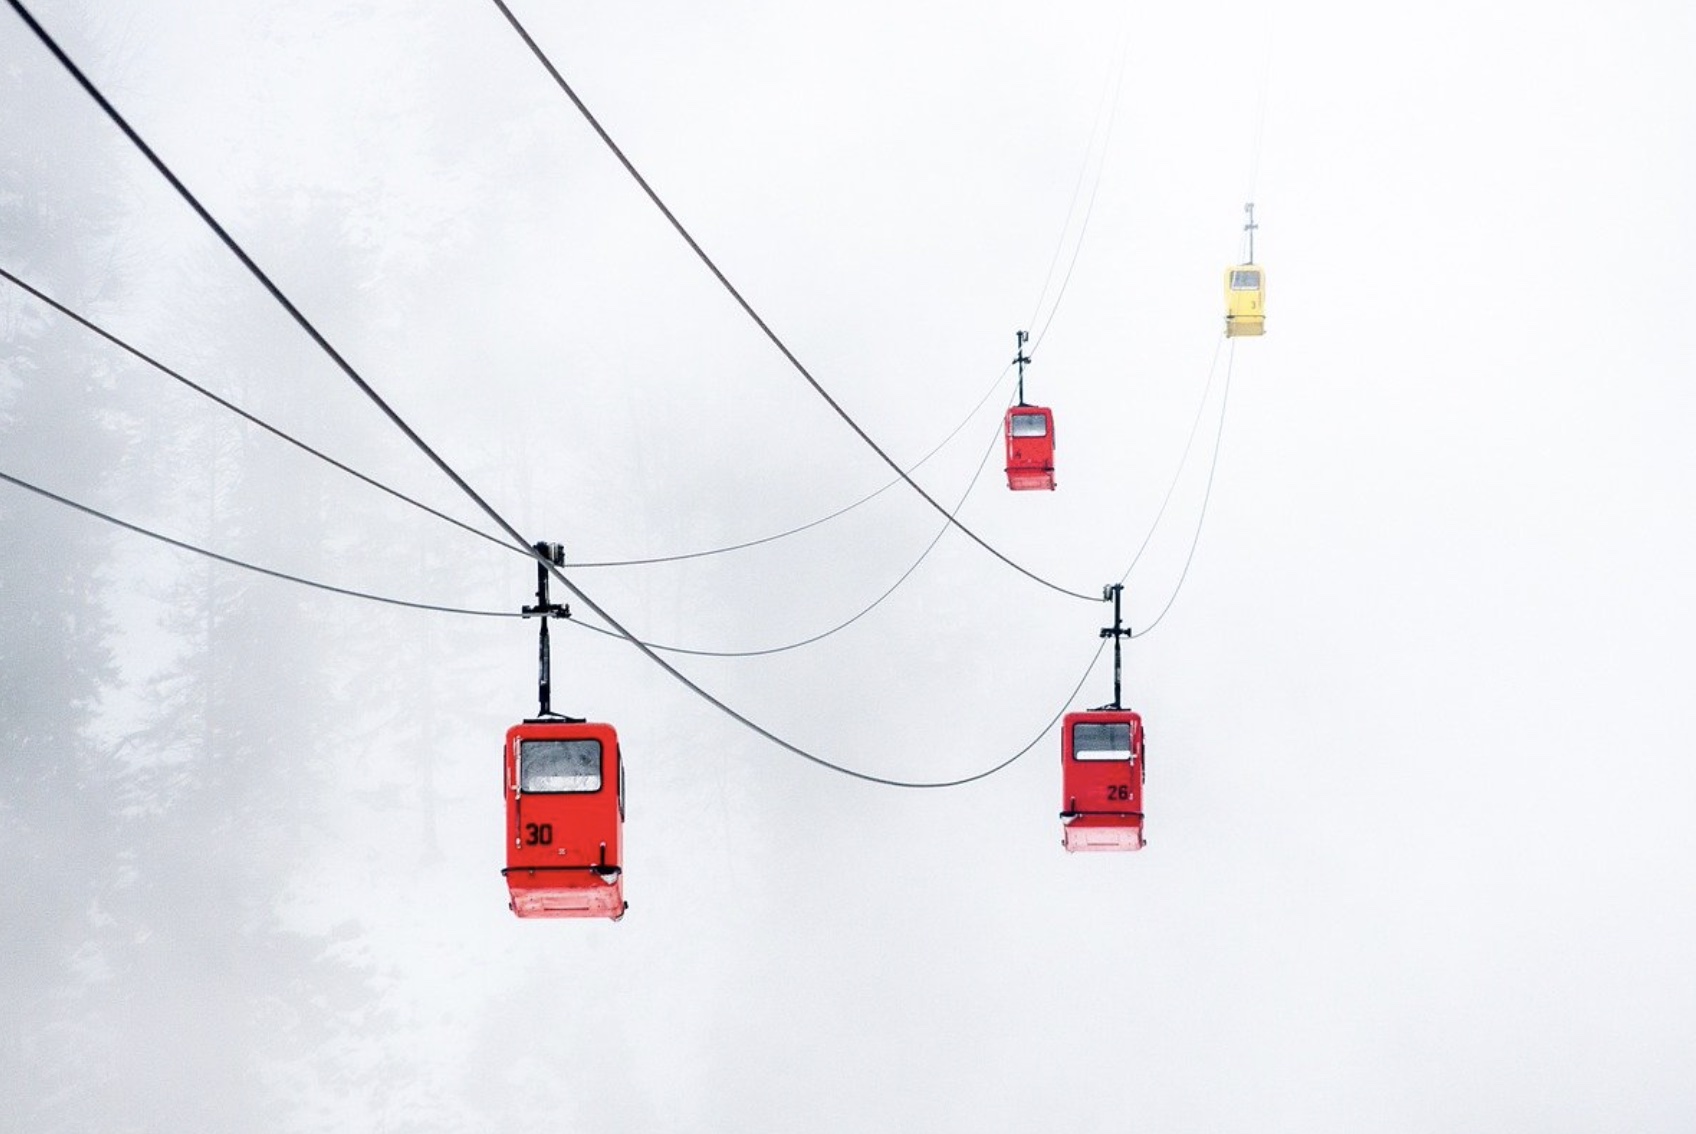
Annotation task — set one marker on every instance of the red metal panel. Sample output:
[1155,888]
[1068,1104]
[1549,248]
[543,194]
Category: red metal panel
[1030,458]
[564,849]
[1101,798]
[1021,481]
[1102,833]
[565,893]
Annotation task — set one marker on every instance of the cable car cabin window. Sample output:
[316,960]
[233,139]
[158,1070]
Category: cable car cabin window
[1030,425]
[1101,741]
[1243,280]
[559,765]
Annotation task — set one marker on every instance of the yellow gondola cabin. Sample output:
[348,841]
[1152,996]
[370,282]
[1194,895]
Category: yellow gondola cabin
[1245,300]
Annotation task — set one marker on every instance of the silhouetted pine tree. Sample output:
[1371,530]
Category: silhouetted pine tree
[228,773]
[60,413]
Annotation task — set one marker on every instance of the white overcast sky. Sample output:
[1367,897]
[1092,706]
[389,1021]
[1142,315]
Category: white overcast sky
[1419,804]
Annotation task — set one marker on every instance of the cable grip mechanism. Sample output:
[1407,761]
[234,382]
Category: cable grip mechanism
[1114,592]
[547,554]
[1023,361]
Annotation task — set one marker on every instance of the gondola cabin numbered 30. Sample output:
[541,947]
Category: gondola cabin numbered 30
[1101,770]
[1030,448]
[564,785]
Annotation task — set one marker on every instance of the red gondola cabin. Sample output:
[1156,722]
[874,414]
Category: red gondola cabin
[1030,447]
[564,820]
[1101,770]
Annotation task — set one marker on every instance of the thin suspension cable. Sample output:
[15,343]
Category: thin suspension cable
[249,417]
[1052,721]
[498,541]
[875,603]
[748,309]
[1072,205]
[502,543]
[1195,541]
[387,600]
[1260,123]
[822,519]
[333,589]
[1089,210]
[447,470]
[258,273]
[182,545]
[1183,461]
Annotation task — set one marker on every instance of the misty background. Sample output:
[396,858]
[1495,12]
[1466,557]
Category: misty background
[1420,855]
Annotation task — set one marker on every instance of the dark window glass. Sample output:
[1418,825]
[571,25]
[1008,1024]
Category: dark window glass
[559,765]
[1245,279]
[1030,425]
[1101,741]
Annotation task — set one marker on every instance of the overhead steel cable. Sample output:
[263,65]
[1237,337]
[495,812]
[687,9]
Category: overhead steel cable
[253,419]
[759,321]
[1111,102]
[498,541]
[447,470]
[1183,462]
[232,561]
[914,467]
[1035,740]
[1207,494]
[874,604]
[502,543]
[1060,244]
[478,612]
[1089,208]
[1260,118]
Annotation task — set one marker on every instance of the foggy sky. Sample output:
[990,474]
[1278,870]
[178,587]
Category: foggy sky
[1418,857]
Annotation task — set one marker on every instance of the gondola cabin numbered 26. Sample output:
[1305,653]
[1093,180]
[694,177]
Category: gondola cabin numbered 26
[1030,448]
[564,819]
[1101,772]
